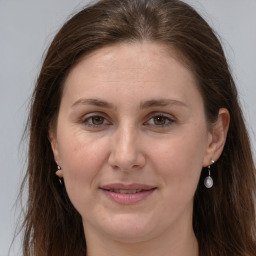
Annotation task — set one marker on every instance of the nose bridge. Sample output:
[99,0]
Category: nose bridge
[125,140]
[126,153]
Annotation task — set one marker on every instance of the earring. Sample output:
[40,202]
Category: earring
[58,169]
[208,181]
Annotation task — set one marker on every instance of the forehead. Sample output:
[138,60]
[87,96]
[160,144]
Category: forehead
[130,61]
[128,69]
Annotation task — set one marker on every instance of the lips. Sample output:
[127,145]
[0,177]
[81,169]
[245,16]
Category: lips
[127,194]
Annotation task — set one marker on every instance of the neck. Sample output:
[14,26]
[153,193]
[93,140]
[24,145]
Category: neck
[168,244]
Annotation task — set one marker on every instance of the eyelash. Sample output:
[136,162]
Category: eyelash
[167,121]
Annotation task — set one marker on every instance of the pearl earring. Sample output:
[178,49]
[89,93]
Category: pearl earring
[208,181]
[58,169]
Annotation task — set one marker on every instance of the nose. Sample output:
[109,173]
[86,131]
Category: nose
[126,152]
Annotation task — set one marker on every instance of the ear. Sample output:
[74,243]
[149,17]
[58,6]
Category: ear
[55,150]
[217,137]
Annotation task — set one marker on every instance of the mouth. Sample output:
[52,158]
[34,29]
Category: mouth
[127,194]
[126,191]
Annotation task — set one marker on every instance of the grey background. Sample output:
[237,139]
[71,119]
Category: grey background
[27,27]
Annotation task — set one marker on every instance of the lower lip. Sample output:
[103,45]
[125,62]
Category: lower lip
[128,198]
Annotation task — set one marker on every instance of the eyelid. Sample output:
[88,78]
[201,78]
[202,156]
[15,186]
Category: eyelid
[160,113]
[95,113]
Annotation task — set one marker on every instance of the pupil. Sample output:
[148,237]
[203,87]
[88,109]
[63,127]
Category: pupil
[159,120]
[97,120]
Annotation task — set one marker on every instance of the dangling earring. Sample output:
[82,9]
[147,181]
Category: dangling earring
[58,169]
[208,181]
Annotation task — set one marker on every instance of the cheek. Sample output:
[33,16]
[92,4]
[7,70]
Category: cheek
[81,161]
[180,158]
[79,151]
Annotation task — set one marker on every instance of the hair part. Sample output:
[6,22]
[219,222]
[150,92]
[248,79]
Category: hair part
[224,217]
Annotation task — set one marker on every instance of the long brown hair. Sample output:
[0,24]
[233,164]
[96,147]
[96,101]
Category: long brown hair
[224,216]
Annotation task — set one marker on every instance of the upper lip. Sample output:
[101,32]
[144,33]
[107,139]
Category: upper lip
[133,186]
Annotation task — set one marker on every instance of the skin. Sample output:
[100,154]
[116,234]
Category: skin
[150,130]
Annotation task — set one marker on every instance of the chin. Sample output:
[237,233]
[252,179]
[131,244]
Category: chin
[128,228]
[129,234]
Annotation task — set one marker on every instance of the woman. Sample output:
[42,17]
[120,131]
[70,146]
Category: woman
[137,141]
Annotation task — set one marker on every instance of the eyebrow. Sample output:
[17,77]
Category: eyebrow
[161,103]
[143,105]
[94,102]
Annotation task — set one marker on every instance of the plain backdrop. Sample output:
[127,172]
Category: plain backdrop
[27,27]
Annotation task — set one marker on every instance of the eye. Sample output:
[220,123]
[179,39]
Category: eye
[159,120]
[95,121]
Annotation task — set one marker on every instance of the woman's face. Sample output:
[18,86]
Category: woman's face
[131,139]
